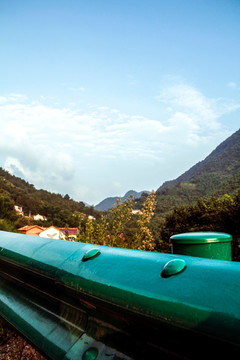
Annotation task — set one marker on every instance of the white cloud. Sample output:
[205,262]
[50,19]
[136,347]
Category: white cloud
[194,114]
[188,100]
[3,99]
[72,151]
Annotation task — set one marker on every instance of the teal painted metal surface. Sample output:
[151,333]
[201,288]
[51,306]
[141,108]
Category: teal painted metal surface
[118,295]
[52,333]
[173,267]
[212,245]
[91,254]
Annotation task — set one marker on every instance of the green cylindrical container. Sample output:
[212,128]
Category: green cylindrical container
[212,245]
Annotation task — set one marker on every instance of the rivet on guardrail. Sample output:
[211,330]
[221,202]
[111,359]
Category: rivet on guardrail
[90,254]
[90,354]
[173,267]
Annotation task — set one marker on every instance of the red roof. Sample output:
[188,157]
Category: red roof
[71,231]
[29,227]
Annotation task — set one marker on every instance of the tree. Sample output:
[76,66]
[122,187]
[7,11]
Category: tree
[89,231]
[7,208]
[118,218]
[111,228]
[102,231]
[212,214]
[144,239]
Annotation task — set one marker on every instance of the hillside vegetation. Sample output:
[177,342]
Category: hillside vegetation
[216,175]
[60,210]
[206,197]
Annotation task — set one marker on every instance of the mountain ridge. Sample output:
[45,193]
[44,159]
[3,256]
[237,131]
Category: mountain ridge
[60,210]
[217,174]
[109,202]
[221,150]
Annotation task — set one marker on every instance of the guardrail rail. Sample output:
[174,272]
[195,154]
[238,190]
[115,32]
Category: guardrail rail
[81,301]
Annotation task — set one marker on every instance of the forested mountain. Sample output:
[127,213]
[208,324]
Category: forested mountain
[108,203]
[216,175]
[60,210]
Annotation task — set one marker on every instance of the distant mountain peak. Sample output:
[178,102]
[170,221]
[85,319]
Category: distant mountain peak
[109,202]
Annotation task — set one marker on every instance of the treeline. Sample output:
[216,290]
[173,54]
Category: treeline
[121,226]
[56,215]
[201,186]
[60,210]
[149,231]
[8,216]
[213,214]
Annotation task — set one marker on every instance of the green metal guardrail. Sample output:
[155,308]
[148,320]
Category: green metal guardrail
[81,301]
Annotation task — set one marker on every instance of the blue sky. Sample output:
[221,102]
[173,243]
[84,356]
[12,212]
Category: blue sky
[100,97]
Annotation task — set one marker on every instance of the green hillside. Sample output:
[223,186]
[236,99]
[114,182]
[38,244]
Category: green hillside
[216,175]
[60,210]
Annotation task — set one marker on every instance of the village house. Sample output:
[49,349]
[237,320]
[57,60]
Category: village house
[91,217]
[52,233]
[18,210]
[39,217]
[34,230]
[70,233]
[136,212]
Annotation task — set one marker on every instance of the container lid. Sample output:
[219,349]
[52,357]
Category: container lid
[200,238]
